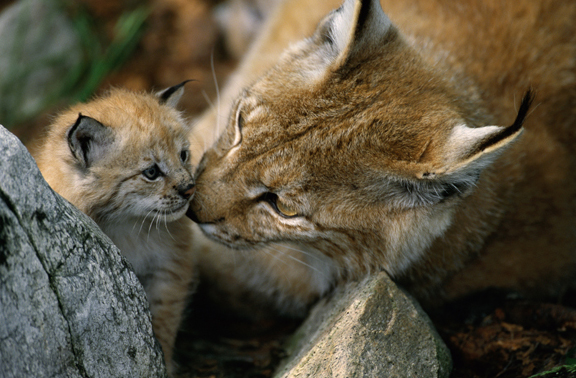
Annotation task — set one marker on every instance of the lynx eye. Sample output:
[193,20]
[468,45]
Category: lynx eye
[152,173]
[281,208]
[184,154]
[285,210]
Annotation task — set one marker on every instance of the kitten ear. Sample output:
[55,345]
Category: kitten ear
[89,140]
[171,96]
[357,26]
[467,152]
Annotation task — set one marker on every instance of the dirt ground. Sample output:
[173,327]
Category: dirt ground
[489,335]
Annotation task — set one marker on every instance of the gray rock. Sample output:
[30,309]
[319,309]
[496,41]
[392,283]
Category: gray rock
[370,328]
[70,306]
[40,53]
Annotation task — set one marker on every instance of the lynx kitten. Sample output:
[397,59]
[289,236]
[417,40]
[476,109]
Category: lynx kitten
[124,160]
[395,141]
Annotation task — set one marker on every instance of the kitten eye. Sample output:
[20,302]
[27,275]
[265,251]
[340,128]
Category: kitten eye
[152,173]
[184,156]
[280,207]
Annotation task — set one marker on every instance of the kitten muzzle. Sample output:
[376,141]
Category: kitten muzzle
[186,191]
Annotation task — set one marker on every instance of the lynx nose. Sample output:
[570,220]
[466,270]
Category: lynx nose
[186,191]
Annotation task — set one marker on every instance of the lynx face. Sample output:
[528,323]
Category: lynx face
[351,145]
[127,157]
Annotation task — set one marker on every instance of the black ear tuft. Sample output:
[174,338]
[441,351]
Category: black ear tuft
[516,126]
[171,96]
[88,140]
[527,101]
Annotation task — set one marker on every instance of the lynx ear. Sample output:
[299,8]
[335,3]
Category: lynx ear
[469,148]
[358,25]
[171,96]
[89,140]
[467,152]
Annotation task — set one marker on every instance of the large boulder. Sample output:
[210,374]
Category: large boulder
[70,306]
[370,328]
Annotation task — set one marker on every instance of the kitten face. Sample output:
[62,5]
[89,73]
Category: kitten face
[153,178]
[351,144]
[129,158]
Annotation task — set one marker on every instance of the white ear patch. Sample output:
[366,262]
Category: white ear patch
[468,146]
[355,24]
[343,22]
[463,138]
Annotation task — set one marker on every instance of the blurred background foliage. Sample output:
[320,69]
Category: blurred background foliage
[54,51]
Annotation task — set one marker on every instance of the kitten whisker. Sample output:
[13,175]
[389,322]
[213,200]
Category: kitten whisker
[166,224]
[158,218]
[143,220]
[151,224]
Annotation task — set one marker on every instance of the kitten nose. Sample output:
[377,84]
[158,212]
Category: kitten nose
[186,191]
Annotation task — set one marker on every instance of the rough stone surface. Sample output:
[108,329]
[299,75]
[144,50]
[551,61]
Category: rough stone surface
[69,304]
[370,329]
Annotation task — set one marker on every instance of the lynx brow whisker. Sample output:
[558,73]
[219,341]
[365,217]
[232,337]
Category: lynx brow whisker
[215,131]
[205,95]
[217,92]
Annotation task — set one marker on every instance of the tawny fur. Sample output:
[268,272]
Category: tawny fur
[142,217]
[355,129]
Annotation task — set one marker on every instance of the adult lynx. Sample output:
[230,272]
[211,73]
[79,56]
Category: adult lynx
[124,160]
[397,143]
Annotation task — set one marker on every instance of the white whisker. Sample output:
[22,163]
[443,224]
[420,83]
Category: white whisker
[144,220]
[166,224]
[205,95]
[309,254]
[151,224]
[217,93]
[300,261]
[158,221]
[274,255]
